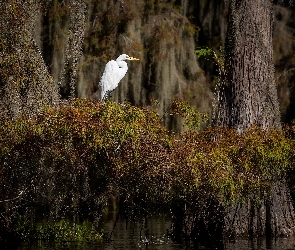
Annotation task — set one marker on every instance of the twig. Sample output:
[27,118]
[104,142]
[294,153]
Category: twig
[15,198]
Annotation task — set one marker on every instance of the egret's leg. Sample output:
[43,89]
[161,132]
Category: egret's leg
[109,94]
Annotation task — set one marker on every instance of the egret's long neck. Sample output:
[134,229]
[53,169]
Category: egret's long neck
[122,65]
[120,58]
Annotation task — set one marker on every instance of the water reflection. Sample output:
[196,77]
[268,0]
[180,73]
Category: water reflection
[153,234]
[150,234]
[262,244]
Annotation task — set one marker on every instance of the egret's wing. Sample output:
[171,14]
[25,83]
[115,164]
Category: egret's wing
[108,81]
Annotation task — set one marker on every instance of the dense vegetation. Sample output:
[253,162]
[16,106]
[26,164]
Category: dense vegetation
[67,162]
[60,165]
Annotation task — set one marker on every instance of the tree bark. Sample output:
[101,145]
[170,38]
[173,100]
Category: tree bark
[26,85]
[247,96]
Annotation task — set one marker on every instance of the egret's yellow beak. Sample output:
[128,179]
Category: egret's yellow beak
[133,58]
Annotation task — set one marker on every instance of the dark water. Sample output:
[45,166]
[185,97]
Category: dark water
[153,234]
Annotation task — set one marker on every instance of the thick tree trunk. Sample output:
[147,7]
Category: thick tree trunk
[247,96]
[265,214]
[26,85]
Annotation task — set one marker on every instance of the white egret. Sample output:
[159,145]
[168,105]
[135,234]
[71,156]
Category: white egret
[113,73]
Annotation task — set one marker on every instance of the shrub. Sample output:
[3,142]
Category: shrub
[65,163]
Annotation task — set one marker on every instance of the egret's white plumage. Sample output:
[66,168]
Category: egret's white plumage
[113,74]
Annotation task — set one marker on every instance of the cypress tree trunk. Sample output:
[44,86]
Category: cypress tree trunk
[247,96]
